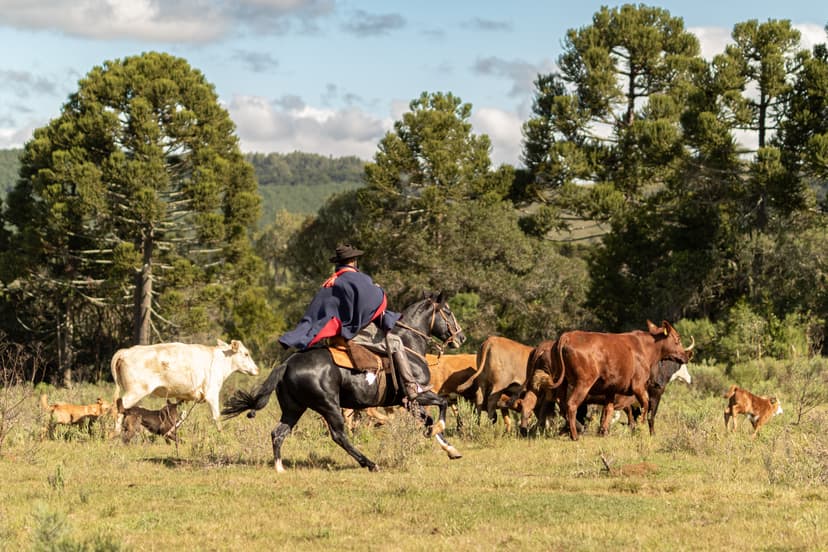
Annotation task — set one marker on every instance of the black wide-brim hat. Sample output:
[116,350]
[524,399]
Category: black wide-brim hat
[345,252]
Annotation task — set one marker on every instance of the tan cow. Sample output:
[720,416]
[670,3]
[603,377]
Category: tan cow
[448,372]
[182,371]
[501,365]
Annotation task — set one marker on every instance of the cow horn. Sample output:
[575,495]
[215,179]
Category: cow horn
[692,344]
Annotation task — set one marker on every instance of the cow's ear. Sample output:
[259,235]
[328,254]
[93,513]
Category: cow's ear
[652,328]
[234,344]
[221,343]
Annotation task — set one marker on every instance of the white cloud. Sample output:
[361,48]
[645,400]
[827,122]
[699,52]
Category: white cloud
[811,35]
[263,127]
[184,21]
[714,39]
[504,130]
[16,137]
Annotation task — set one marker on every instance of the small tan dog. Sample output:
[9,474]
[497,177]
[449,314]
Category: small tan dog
[758,409]
[73,414]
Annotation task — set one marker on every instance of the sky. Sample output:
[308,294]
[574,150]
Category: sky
[330,76]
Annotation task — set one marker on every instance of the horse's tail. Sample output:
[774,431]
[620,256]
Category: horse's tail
[254,400]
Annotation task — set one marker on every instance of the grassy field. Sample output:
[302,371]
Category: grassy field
[691,487]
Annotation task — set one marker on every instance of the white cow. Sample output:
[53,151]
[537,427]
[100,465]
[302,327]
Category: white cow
[178,371]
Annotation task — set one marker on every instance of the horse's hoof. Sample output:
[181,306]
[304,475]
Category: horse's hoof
[373,468]
[453,453]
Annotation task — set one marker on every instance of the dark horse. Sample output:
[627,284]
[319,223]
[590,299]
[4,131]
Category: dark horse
[309,379]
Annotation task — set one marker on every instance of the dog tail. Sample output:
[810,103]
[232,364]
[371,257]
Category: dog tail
[731,391]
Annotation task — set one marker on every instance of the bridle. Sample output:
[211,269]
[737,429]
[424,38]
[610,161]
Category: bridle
[451,324]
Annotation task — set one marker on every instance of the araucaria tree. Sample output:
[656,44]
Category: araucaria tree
[138,196]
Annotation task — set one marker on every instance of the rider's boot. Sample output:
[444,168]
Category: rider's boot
[412,389]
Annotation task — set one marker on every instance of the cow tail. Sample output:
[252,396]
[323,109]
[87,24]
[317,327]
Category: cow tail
[481,362]
[116,365]
[562,341]
[255,400]
[44,401]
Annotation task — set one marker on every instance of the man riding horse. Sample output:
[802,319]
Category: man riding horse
[351,305]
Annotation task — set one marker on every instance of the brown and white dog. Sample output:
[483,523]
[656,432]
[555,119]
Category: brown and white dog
[163,422]
[758,409]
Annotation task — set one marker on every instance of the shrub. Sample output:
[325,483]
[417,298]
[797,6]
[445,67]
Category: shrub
[743,334]
[703,332]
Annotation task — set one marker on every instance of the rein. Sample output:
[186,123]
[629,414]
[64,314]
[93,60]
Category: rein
[453,329]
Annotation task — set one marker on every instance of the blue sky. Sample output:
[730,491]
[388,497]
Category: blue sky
[327,76]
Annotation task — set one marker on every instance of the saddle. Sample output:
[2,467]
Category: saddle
[361,359]
[356,357]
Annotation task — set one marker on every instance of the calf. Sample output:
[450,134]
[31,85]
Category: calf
[73,414]
[163,422]
[758,409]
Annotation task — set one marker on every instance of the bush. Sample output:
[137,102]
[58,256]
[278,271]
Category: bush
[743,334]
[805,383]
[709,379]
[703,332]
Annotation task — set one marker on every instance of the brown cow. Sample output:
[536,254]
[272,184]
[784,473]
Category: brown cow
[526,401]
[661,373]
[608,364]
[501,364]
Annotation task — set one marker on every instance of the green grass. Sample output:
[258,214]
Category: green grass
[702,489]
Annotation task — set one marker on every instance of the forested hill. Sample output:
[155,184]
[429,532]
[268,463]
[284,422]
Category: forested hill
[301,182]
[296,182]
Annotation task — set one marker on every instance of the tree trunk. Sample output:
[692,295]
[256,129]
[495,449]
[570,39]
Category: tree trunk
[67,356]
[143,294]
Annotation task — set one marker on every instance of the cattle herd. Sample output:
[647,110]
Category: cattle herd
[616,371]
